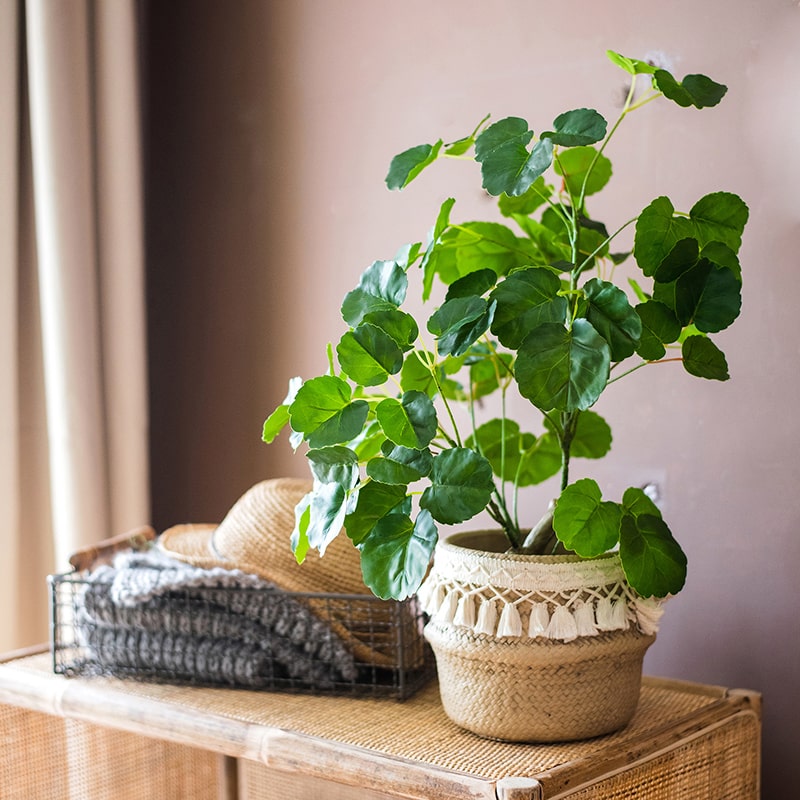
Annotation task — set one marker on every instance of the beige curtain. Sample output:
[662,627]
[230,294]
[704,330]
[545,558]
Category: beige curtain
[73,407]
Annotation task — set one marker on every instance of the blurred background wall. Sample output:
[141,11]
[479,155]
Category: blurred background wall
[269,129]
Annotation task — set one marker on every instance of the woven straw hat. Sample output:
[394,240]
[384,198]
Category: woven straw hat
[255,536]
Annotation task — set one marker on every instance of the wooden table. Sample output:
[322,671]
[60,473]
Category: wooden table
[91,738]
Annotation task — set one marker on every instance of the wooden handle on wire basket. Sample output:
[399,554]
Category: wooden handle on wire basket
[88,557]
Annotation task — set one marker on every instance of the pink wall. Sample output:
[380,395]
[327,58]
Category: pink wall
[328,92]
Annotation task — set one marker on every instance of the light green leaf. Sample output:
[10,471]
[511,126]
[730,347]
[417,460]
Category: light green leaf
[636,502]
[573,164]
[324,413]
[540,460]
[526,203]
[369,355]
[501,443]
[299,538]
[407,165]
[580,127]
[562,369]
[631,65]
[653,561]
[592,437]
[417,375]
[702,358]
[486,374]
[334,464]
[410,421]
[327,512]
[584,522]
[275,423]
[396,554]
[461,485]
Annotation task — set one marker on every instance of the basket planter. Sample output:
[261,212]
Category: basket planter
[535,648]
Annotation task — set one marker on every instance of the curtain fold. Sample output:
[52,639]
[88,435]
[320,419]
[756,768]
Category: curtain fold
[73,464]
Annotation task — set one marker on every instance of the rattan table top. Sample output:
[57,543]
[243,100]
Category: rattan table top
[277,727]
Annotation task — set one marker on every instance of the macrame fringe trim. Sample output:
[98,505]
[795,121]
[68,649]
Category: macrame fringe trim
[564,620]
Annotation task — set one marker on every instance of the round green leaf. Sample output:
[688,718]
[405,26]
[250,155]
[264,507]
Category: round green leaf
[410,421]
[486,374]
[459,323]
[541,459]
[396,554]
[329,503]
[582,126]
[562,369]
[526,299]
[501,443]
[323,413]
[654,563]
[720,302]
[584,522]
[369,355]
[475,283]
[400,326]
[573,164]
[702,358]
[461,485]
[399,465]
[636,502]
[375,501]
[720,217]
[657,232]
[659,327]
[694,90]
[592,437]
[613,317]
[334,464]
[407,165]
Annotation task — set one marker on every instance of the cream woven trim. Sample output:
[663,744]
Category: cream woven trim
[511,597]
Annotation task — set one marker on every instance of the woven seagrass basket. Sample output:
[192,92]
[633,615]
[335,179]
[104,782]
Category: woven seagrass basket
[535,648]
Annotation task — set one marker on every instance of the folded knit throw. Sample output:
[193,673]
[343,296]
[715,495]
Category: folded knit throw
[153,615]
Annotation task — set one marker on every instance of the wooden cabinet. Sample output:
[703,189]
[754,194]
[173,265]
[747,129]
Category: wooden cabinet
[92,738]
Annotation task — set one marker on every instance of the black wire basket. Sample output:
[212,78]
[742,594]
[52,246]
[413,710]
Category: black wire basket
[241,637]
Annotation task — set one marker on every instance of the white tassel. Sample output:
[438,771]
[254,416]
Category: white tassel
[447,609]
[604,615]
[487,618]
[510,623]
[619,614]
[540,619]
[435,600]
[465,612]
[562,625]
[648,614]
[584,619]
[424,594]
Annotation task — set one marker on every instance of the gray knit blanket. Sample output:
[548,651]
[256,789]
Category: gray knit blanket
[155,616]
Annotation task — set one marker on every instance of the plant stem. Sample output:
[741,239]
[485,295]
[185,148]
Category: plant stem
[569,422]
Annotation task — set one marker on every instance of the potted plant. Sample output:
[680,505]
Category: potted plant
[408,429]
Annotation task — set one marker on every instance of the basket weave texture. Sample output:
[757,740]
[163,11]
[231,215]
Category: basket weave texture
[535,648]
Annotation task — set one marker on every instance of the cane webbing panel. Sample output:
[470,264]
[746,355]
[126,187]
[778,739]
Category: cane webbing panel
[417,732]
[47,757]
[719,764]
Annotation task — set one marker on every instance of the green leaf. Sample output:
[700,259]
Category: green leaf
[369,355]
[660,326]
[694,90]
[459,323]
[592,437]
[720,217]
[580,127]
[613,317]
[680,259]
[474,246]
[375,500]
[368,443]
[407,165]
[721,255]
[461,485]
[275,423]
[526,203]
[501,443]
[400,465]
[631,65]
[396,554]
[486,374]
[402,327]
[506,164]
[541,459]
[635,501]
[382,287]
[657,232]
[334,464]
[299,538]
[562,369]
[584,522]
[475,283]
[653,561]
[702,358]
[573,164]
[525,299]
[427,265]
[324,413]
[417,375]
[329,503]
[410,421]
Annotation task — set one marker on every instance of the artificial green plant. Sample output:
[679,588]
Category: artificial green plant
[529,305]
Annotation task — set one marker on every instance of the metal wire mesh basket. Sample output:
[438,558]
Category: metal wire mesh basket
[241,637]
